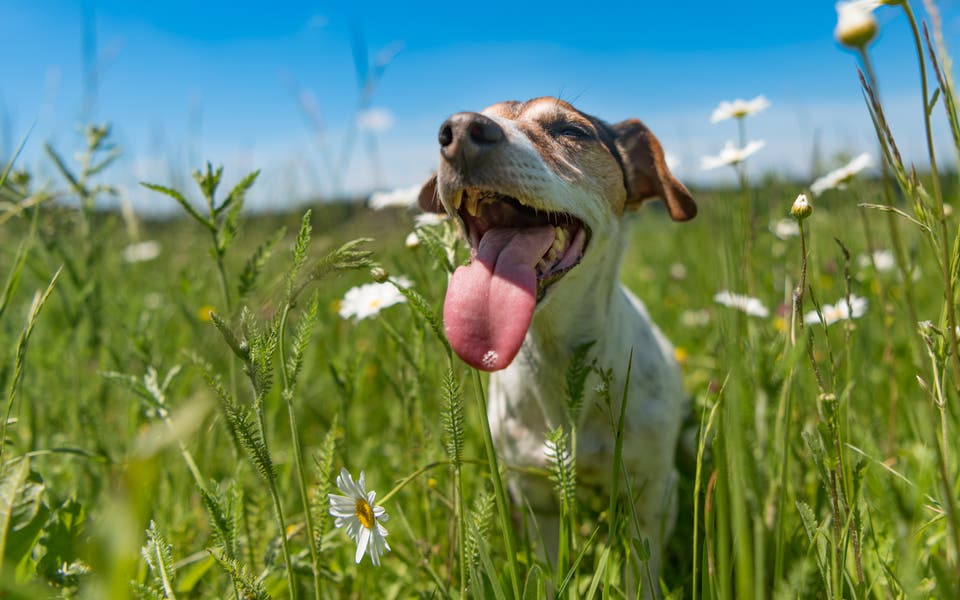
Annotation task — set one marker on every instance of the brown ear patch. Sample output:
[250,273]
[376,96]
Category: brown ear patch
[428,199]
[647,175]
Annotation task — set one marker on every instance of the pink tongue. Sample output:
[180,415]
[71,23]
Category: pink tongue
[490,302]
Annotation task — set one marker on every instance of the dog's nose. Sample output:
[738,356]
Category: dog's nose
[466,136]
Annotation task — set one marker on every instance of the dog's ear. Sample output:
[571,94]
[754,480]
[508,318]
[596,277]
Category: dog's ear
[429,200]
[647,175]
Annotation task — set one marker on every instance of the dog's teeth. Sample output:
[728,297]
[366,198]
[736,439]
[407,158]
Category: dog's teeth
[542,266]
[471,206]
[457,198]
[560,239]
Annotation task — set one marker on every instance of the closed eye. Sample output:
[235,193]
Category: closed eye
[569,131]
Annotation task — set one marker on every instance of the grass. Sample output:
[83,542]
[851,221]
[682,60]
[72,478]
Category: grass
[173,427]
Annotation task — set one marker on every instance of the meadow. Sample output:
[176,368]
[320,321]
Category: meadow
[181,395]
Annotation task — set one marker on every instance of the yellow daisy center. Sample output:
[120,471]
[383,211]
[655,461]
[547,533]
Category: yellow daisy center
[364,513]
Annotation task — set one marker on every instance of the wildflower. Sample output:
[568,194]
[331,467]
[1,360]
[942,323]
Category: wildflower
[403,198]
[738,109]
[730,155]
[840,177]
[362,518]
[882,260]
[785,228]
[413,240]
[678,271]
[801,208]
[847,308]
[369,299]
[428,219]
[695,318]
[681,355]
[856,25]
[141,251]
[379,274]
[752,306]
[203,313]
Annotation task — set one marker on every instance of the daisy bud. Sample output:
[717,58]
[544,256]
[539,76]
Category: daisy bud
[856,25]
[801,208]
[379,274]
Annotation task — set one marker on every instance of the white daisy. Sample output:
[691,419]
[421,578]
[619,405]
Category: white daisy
[413,240]
[738,109]
[402,197]
[428,219]
[362,518]
[695,318]
[785,228]
[752,306]
[840,177]
[841,311]
[856,25]
[881,259]
[730,155]
[141,251]
[368,300]
[801,208]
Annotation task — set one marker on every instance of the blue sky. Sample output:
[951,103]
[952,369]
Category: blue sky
[184,82]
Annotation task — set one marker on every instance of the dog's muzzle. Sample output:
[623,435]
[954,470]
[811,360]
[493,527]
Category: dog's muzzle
[467,138]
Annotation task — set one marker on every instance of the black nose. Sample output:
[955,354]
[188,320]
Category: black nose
[467,136]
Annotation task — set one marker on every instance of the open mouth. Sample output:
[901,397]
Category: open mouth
[482,211]
[516,253]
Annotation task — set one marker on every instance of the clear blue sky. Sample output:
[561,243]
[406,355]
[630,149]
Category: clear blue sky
[188,81]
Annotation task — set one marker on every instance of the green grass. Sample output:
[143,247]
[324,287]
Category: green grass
[154,451]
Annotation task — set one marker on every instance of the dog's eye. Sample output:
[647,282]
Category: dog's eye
[569,131]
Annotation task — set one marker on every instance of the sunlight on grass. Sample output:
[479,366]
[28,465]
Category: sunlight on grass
[180,396]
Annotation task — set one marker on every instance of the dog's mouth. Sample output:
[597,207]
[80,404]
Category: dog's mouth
[482,210]
[517,252]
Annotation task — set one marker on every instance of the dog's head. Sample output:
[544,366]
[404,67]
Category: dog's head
[538,188]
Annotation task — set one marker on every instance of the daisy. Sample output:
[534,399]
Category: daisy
[840,177]
[738,109]
[882,259]
[730,155]
[841,311]
[369,299]
[801,208]
[785,228]
[362,518]
[428,219]
[141,252]
[695,318]
[403,198]
[752,306]
[856,25]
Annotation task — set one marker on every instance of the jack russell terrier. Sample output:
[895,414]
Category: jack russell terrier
[540,191]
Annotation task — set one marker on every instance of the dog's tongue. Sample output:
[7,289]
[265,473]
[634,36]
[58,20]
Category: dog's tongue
[490,302]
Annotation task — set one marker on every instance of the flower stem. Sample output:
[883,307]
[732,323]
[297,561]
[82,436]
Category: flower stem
[948,290]
[298,452]
[503,506]
[898,249]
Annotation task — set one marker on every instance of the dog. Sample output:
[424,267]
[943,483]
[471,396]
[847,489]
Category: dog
[541,192]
